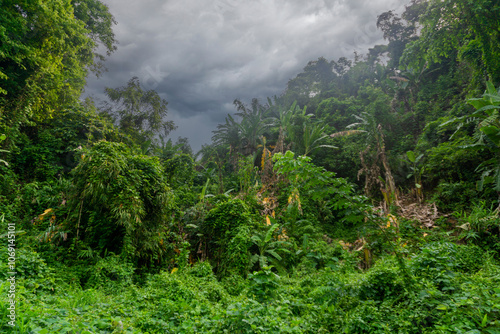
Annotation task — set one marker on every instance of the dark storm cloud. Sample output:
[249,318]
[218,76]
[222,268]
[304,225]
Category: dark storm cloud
[201,55]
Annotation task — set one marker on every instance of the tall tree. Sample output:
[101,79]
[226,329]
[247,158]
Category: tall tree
[252,124]
[228,134]
[98,23]
[45,53]
[469,28]
[400,30]
[139,113]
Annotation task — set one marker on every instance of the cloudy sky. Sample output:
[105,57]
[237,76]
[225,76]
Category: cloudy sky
[201,55]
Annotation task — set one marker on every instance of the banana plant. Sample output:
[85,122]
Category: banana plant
[487,134]
[268,248]
[416,172]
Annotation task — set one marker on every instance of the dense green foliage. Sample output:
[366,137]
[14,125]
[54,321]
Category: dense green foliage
[364,199]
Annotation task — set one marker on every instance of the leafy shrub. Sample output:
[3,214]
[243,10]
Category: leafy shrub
[470,258]
[30,269]
[437,262]
[329,292]
[122,201]
[383,281]
[38,158]
[226,217]
[252,317]
[263,283]
[456,195]
[234,284]
[45,150]
[202,270]
[170,286]
[9,190]
[227,229]
[236,255]
[111,272]
[481,226]
[32,199]
[331,200]
[179,171]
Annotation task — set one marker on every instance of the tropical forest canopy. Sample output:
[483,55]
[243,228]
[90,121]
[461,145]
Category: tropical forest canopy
[363,199]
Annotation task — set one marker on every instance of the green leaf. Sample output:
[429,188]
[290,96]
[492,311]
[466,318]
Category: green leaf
[491,88]
[273,253]
[328,146]
[442,307]
[270,232]
[493,133]
[488,107]
[485,321]
[411,156]
[478,103]
[202,195]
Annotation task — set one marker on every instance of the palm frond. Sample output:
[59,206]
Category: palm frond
[490,120]
[346,133]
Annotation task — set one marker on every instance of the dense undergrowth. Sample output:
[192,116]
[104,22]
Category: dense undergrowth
[436,287]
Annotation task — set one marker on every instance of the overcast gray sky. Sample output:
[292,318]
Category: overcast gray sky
[201,55]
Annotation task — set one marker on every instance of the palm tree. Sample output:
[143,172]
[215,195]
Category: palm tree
[252,124]
[214,154]
[291,125]
[242,137]
[228,134]
[314,134]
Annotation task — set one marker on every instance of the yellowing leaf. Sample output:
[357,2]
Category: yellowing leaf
[283,235]
[465,226]
[392,220]
[45,213]
[345,245]
[268,221]
[174,270]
